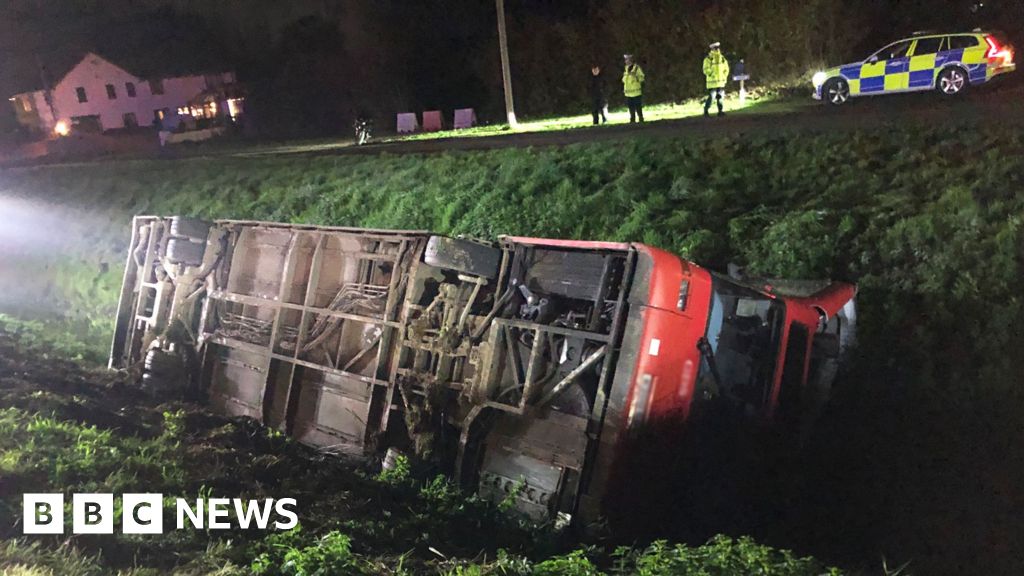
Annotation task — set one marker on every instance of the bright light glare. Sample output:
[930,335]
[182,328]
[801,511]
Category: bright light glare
[234,107]
[62,128]
[28,226]
[37,234]
[819,79]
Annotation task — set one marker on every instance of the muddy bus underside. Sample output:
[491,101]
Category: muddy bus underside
[495,360]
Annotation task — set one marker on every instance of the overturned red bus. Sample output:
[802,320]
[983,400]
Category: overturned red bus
[528,366]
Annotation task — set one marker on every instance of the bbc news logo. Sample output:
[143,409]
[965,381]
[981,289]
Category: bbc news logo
[144,513]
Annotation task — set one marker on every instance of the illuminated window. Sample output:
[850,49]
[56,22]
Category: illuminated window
[26,104]
[129,88]
[235,107]
[111,92]
[80,92]
[156,87]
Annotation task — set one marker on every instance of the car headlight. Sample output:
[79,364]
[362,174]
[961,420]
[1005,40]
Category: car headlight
[819,79]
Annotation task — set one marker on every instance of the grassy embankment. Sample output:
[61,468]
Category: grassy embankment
[921,441]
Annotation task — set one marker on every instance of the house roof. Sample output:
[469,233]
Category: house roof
[151,65]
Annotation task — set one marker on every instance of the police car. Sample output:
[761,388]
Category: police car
[948,63]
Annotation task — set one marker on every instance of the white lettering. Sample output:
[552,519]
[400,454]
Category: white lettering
[43,513]
[246,514]
[281,508]
[142,514]
[218,508]
[92,513]
[185,510]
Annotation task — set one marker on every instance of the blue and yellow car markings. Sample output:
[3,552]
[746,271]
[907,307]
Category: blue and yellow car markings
[917,72]
[922,70]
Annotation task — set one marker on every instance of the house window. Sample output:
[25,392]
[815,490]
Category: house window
[156,87]
[129,88]
[87,123]
[111,92]
[80,92]
[130,121]
[26,104]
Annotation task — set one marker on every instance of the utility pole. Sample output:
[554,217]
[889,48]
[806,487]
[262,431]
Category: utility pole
[506,73]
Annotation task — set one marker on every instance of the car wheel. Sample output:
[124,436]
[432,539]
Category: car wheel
[836,92]
[952,81]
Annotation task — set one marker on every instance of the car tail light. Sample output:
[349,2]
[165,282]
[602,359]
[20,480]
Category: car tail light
[993,47]
[997,52]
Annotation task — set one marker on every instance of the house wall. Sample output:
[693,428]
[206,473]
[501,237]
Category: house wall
[94,73]
[44,113]
[32,111]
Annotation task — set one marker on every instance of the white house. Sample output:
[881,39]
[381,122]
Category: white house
[99,95]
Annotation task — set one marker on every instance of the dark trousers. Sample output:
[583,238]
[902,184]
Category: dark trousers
[713,94]
[597,110]
[636,108]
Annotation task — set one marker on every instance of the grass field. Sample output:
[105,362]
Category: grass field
[926,220]
[655,113]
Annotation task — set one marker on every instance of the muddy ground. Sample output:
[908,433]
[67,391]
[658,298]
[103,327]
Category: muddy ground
[392,523]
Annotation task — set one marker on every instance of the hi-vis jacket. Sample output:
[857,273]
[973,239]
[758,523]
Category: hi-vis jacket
[633,81]
[716,70]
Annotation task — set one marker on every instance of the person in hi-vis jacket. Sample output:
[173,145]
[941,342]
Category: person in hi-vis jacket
[633,88]
[716,73]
